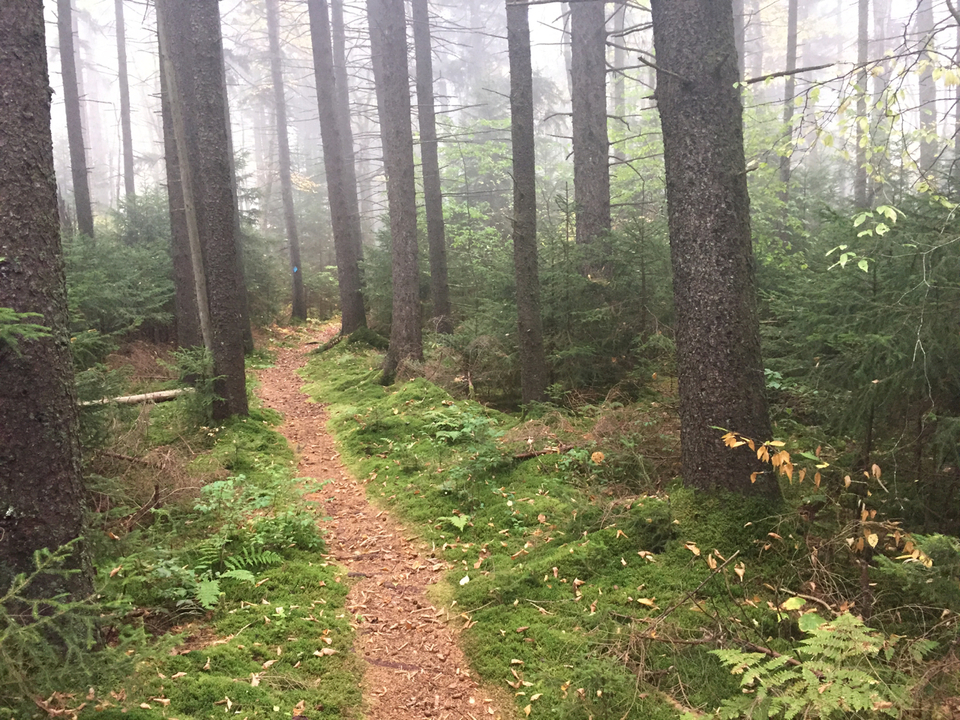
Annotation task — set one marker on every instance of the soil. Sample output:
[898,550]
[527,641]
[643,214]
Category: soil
[414,667]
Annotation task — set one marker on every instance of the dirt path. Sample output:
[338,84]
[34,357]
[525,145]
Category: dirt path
[414,667]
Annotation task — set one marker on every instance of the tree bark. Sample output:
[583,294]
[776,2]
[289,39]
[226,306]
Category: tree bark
[342,104]
[789,90]
[341,188]
[190,31]
[591,146]
[186,307]
[129,184]
[71,99]
[720,370]
[41,490]
[928,89]
[740,35]
[863,44]
[533,362]
[299,304]
[429,155]
[388,43]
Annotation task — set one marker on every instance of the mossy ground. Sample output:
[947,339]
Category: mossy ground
[223,602]
[564,585]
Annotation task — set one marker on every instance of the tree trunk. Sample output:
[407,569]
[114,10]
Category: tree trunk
[342,104]
[720,370]
[591,147]
[619,65]
[190,30]
[740,35]
[71,99]
[129,185]
[433,199]
[533,362]
[863,44]
[341,191]
[41,490]
[388,44]
[928,89]
[299,310]
[185,285]
[789,90]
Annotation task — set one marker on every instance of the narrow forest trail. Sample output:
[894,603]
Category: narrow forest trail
[414,666]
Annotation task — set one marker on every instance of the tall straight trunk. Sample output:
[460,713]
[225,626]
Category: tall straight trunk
[190,35]
[863,44]
[533,362]
[129,184]
[955,170]
[186,307]
[41,489]
[433,198]
[928,89]
[299,309]
[342,105]
[720,369]
[591,146]
[740,34]
[244,308]
[789,91]
[619,63]
[388,45]
[71,99]
[341,190]
[881,81]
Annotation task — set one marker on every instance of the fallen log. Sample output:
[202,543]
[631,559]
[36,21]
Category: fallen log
[159,396]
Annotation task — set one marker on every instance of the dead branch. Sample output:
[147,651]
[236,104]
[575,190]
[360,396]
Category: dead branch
[160,396]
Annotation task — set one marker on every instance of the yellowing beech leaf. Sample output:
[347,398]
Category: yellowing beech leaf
[516,662]
[873,539]
[648,556]
[254,679]
[875,471]
[712,562]
[178,675]
[846,481]
[817,478]
[753,477]
[776,443]
[535,697]
[692,548]
[740,569]
[621,533]
[267,664]
[527,710]
[649,602]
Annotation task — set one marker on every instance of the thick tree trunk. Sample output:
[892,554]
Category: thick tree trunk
[185,286]
[789,90]
[341,190]
[863,44]
[388,43]
[190,30]
[433,199]
[928,89]
[533,363]
[299,305]
[129,184]
[41,491]
[342,104]
[71,99]
[591,146]
[721,381]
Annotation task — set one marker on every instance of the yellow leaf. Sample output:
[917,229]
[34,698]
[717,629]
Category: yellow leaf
[751,445]
[873,539]
[535,697]
[753,477]
[527,709]
[777,443]
[875,470]
[740,569]
[621,533]
[846,481]
[817,478]
[649,602]
[692,548]
[712,562]
[801,475]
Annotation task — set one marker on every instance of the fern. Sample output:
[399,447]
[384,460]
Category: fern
[208,594]
[839,675]
[251,558]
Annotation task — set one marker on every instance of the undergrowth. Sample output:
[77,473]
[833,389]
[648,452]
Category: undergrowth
[214,595]
[594,587]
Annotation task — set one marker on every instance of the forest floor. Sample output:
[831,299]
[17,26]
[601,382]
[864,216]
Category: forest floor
[414,665]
